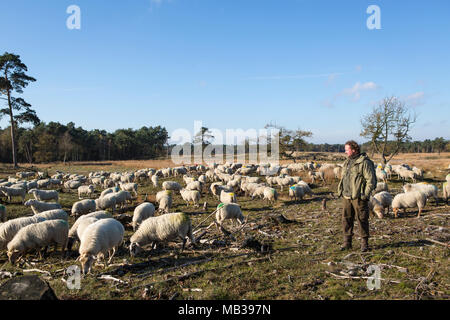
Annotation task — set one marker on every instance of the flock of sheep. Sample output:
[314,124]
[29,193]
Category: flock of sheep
[99,234]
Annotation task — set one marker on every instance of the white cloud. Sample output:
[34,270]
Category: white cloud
[357,88]
[416,99]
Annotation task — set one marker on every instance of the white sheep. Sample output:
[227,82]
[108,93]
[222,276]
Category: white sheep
[381,186]
[86,190]
[141,212]
[108,191]
[53,214]
[164,200]
[227,197]
[122,197]
[164,228]
[297,192]
[413,199]
[106,202]
[73,232]
[38,235]
[83,207]
[13,192]
[228,211]
[428,189]
[379,202]
[446,191]
[194,185]
[44,195]
[171,185]
[190,195]
[270,194]
[2,213]
[72,184]
[9,229]
[39,206]
[102,237]
[155,180]
[130,187]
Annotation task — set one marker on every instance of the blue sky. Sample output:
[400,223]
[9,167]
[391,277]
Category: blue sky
[312,65]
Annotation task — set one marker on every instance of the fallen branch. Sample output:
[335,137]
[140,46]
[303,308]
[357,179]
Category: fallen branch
[109,277]
[37,270]
[361,277]
[197,226]
[438,242]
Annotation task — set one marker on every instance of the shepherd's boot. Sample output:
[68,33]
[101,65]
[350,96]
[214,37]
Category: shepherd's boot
[365,245]
[347,244]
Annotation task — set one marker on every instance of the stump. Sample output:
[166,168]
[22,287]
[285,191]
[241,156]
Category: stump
[26,288]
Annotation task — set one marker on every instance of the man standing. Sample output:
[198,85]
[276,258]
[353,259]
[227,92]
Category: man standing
[357,183]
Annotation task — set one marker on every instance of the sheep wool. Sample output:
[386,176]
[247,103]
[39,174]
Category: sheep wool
[102,237]
[73,232]
[39,206]
[413,199]
[83,207]
[38,235]
[143,211]
[228,211]
[53,214]
[164,228]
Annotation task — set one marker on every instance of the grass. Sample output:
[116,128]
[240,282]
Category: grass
[303,254]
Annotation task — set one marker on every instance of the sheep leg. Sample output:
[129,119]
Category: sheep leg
[111,255]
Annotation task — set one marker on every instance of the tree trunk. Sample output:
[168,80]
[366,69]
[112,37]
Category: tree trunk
[13,138]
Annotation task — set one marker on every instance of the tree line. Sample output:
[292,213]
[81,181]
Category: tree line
[58,142]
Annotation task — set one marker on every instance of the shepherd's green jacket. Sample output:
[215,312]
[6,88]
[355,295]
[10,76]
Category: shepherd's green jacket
[363,178]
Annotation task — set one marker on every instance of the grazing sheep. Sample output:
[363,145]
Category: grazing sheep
[171,185]
[83,207]
[130,187]
[102,237]
[72,184]
[418,172]
[379,202]
[2,213]
[165,201]
[106,202]
[407,174]
[86,190]
[270,194]
[108,191]
[413,199]
[44,195]
[284,182]
[296,192]
[73,232]
[38,235]
[227,197]
[428,189]
[39,206]
[190,195]
[167,227]
[122,197]
[305,186]
[13,192]
[445,191]
[9,229]
[381,175]
[228,211]
[155,180]
[143,211]
[53,214]
[195,185]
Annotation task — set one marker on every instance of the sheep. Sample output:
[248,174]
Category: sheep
[306,187]
[445,191]
[38,235]
[194,185]
[203,179]
[109,190]
[143,211]
[428,189]
[285,181]
[227,197]
[53,214]
[297,192]
[13,192]
[39,206]
[83,207]
[411,199]
[101,237]
[164,201]
[405,174]
[44,195]
[228,211]
[270,194]
[72,184]
[171,185]
[9,229]
[106,202]
[379,202]
[73,232]
[381,186]
[190,195]
[155,180]
[2,213]
[165,228]
[418,172]
[122,197]
[130,187]
[43,183]
[381,175]
[86,190]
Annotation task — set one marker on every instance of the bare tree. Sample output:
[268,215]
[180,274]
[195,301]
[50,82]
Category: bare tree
[66,144]
[388,126]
